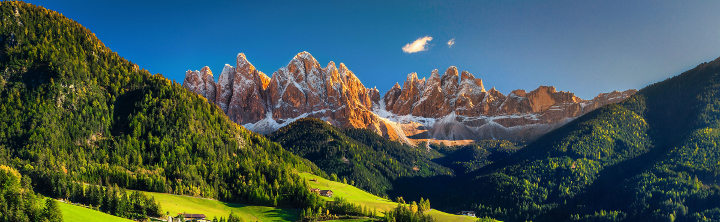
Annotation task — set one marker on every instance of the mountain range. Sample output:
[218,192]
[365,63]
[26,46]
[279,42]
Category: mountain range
[79,122]
[452,108]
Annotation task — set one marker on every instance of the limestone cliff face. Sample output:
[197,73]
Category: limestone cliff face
[445,108]
[303,88]
[201,82]
[450,107]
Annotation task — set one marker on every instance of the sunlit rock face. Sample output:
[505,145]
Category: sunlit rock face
[303,88]
[452,108]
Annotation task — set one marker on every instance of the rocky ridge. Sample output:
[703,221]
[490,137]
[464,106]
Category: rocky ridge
[303,88]
[456,107]
[453,108]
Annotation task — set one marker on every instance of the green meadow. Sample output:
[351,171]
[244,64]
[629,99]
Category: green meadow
[355,195]
[73,213]
[175,204]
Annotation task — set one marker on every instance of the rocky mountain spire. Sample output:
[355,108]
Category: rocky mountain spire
[201,82]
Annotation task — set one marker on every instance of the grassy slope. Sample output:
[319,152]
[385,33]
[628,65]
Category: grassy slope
[351,220]
[72,213]
[176,204]
[358,196]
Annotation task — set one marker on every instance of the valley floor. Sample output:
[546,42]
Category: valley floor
[176,204]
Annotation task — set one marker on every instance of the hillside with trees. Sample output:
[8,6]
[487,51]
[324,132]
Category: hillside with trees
[467,158]
[72,111]
[357,156]
[652,157]
[18,202]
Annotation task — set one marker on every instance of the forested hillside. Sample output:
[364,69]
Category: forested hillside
[19,203]
[652,157]
[72,111]
[467,158]
[357,157]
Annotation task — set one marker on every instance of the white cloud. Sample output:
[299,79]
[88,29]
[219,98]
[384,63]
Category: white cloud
[451,43]
[418,45]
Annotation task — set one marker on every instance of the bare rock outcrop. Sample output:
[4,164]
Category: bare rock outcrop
[453,107]
[303,88]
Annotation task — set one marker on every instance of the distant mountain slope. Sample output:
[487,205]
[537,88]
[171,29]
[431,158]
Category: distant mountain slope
[465,159]
[653,157]
[453,108]
[71,110]
[362,158]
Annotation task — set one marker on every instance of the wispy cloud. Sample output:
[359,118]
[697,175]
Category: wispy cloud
[451,42]
[418,45]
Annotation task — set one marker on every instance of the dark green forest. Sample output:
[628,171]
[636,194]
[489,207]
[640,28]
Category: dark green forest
[467,158]
[72,111]
[653,157]
[357,157]
[18,201]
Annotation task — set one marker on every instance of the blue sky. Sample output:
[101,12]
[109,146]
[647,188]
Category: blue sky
[586,47]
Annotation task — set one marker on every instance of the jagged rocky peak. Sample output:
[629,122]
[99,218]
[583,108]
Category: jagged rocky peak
[465,75]
[206,71]
[331,67]
[391,96]
[451,71]
[243,66]
[343,67]
[434,74]
[435,96]
[450,106]
[264,80]
[412,77]
[449,80]
[301,89]
[396,86]
[350,80]
[518,93]
[224,86]
[201,82]
[374,95]
[302,64]
[468,81]
[304,88]
[409,94]
[463,109]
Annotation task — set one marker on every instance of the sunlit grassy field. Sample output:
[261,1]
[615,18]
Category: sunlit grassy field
[355,195]
[72,213]
[176,204]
